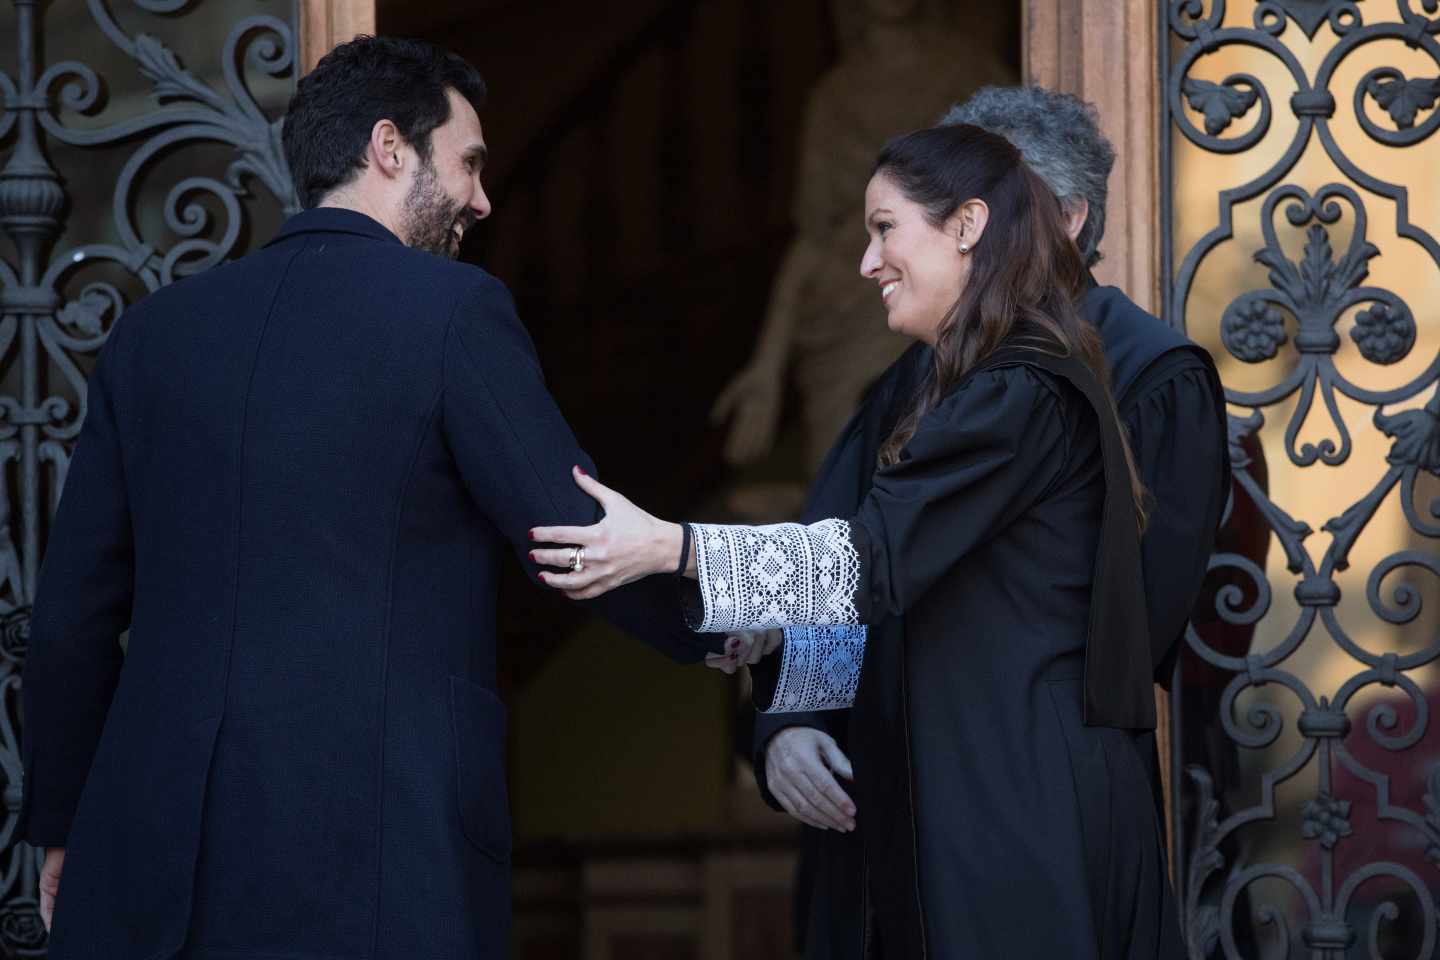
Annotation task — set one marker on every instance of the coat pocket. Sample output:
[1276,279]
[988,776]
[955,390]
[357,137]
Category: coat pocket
[479,725]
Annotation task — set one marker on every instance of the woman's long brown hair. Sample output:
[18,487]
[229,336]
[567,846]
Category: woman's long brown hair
[1025,279]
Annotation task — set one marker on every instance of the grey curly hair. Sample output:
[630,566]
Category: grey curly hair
[1059,136]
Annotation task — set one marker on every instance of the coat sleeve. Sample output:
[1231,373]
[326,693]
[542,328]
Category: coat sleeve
[82,606]
[515,451]
[977,462]
[1176,422]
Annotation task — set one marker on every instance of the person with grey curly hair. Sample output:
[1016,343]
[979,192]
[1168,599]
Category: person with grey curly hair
[1059,136]
[1169,397]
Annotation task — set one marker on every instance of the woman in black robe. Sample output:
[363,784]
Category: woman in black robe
[989,585]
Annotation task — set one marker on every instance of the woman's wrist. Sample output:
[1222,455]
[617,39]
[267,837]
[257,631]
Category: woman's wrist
[668,541]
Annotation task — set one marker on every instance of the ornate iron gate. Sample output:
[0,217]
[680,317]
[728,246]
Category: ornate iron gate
[1307,770]
[58,306]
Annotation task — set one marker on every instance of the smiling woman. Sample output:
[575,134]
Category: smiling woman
[909,256]
[1012,451]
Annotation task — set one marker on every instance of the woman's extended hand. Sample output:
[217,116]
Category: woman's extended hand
[627,545]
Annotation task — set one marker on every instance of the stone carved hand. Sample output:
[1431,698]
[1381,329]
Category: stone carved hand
[751,401]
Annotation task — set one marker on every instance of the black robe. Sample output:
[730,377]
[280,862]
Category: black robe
[1172,406]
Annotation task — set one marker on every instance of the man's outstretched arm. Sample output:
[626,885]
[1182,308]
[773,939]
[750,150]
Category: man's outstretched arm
[516,452]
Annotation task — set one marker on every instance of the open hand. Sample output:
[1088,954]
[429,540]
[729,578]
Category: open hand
[748,647]
[801,764]
[624,547]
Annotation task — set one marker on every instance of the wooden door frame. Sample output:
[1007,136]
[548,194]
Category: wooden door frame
[1107,52]
[325,23]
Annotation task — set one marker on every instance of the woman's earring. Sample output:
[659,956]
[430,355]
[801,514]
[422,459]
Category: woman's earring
[964,247]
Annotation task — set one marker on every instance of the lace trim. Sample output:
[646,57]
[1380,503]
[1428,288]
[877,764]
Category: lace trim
[755,578]
[819,669]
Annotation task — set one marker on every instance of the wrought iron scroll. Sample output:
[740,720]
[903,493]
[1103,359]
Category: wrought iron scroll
[1311,294]
[51,319]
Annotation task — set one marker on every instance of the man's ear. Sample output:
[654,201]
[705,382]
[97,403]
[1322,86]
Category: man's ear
[1077,211]
[386,149]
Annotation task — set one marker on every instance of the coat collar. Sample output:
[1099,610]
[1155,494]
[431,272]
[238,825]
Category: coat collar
[333,220]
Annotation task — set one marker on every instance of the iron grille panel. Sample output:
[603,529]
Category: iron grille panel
[1307,804]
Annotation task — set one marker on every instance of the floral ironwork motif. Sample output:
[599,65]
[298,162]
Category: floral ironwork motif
[21,929]
[1253,330]
[50,320]
[1416,434]
[1309,14]
[1326,819]
[1221,103]
[1402,98]
[1295,325]
[1384,333]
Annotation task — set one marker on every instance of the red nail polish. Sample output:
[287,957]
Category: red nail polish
[532,556]
[532,534]
[582,471]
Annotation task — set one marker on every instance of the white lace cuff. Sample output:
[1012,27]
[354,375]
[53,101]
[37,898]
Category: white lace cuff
[819,669]
[755,578]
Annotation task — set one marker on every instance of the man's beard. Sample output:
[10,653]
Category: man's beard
[430,215]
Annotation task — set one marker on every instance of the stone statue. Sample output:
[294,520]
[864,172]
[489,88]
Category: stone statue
[903,64]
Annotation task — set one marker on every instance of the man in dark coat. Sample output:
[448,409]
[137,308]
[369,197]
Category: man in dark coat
[294,485]
[1171,401]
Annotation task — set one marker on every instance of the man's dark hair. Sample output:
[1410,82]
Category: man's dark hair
[357,85]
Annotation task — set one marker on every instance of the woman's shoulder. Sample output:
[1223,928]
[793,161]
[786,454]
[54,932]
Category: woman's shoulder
[1014,384]
[1016,411]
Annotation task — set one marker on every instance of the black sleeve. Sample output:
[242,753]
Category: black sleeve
[983,457]
[515,451]
[82,606]
[977,461]
[1176,419]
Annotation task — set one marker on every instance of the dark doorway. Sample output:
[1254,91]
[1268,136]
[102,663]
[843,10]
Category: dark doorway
[652,164]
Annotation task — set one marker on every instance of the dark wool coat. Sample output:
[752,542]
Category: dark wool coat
[294,486]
